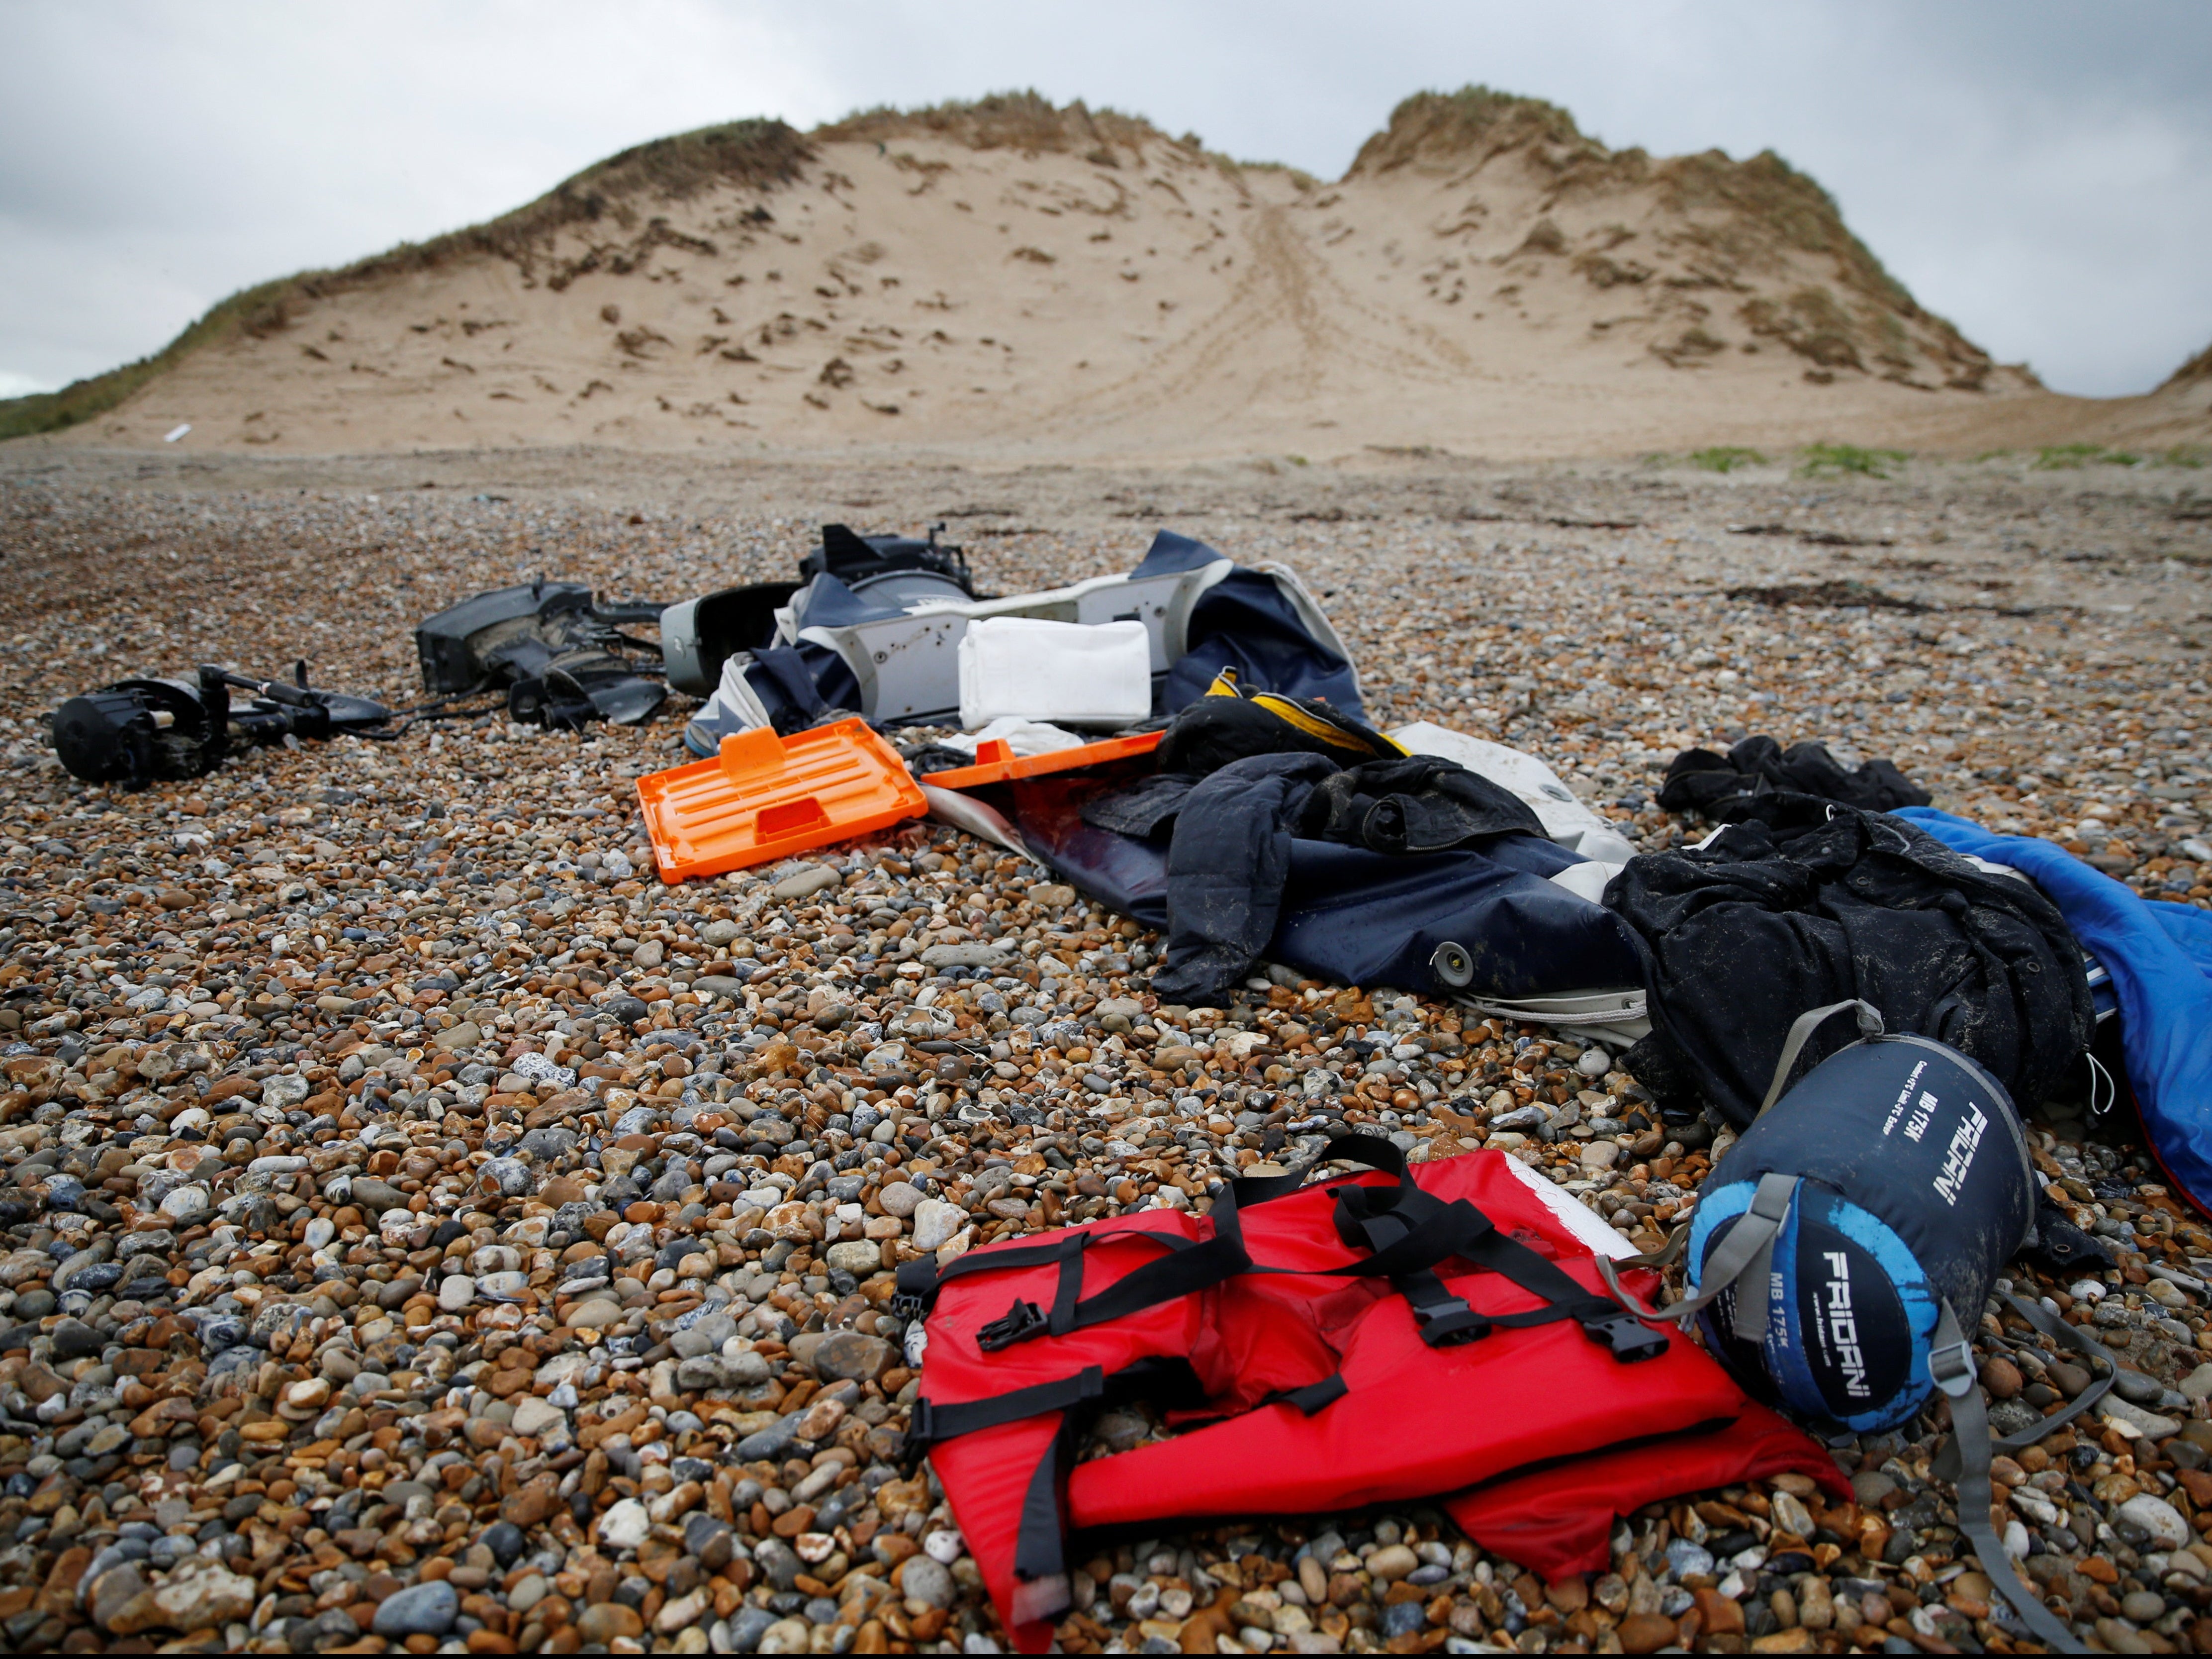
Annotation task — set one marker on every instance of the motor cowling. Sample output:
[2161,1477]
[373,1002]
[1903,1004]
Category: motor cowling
[137,731]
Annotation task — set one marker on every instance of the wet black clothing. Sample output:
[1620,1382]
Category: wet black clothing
[1805,902]
[1718,785]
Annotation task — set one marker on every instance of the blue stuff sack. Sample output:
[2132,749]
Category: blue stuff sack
[1894,1178]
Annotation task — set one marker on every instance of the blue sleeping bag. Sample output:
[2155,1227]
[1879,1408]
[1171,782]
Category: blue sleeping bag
[2160,959]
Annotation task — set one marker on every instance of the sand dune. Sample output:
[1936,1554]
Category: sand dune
[1014,282]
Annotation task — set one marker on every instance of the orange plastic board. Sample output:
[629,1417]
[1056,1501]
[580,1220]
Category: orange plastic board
[995,762]
[764,797]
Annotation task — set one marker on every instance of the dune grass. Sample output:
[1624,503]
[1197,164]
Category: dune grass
[1725,458]
[752,152]
[1831,460]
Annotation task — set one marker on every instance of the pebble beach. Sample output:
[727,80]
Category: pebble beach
[425,1230]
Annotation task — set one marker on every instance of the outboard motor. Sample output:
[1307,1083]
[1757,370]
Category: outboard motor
[559,654]
[136,731]
[698,636]
[863,563]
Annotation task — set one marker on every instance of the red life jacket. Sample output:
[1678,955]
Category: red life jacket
[1373,1338]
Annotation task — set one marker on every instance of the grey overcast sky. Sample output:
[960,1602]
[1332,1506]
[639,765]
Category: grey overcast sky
[2039,173]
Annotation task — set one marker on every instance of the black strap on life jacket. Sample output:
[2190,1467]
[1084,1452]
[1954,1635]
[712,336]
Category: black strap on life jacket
[1405,1231]
[920,1280]
[1187,1267]
[1039,1548]
[933,1422]
[1407,1225]
[1312,1397]
[1167,1381]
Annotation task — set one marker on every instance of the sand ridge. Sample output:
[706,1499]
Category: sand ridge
[1010,280]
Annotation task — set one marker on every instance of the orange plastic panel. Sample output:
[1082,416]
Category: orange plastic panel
[764,797]
[995,762]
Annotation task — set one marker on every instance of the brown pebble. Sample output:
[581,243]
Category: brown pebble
[1718,1614]
[316,839]
[1570,1594]
[2069,1379]
[607,1622]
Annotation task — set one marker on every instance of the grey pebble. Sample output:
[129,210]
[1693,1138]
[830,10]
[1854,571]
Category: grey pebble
[418,1610]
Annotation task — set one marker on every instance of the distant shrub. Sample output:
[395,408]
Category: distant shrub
[1724,458]
[2058,457]
[1822,459]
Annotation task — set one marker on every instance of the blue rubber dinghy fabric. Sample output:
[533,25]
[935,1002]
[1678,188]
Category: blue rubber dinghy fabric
[1807,902]
[1351,916]
[1243,622]
[2159,958]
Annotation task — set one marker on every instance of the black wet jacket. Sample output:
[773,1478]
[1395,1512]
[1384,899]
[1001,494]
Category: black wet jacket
[1719,786]
[1805,902]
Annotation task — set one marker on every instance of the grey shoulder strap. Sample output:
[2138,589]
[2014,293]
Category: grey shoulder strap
[1746,1253]
[1800,1032]
[1951,1364]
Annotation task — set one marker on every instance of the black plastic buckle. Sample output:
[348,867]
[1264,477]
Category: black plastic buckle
[920,1434]
[1019,1323]
[916,1288]
[1445,1324]
[1627,1338]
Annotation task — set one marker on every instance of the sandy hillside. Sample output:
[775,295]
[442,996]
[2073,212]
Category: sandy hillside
[1007,281]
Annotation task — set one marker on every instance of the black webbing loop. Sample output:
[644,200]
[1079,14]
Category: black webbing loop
[1041,1590]
[1210,1262]
[1187,1268]
[1025,1319]
[1409,1231]
[1604,1322]
[920,1279]
[933,1422]
[1405,1232]
[1311,1397]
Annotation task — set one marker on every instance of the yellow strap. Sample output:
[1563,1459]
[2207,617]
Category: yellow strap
[1313,726]
[1225,685]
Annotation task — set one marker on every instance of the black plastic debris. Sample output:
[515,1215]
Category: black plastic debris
[560,655]
[137,731]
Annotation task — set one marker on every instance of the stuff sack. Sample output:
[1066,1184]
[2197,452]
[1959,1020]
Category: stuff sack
[1892,1181]
[1845,1244]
